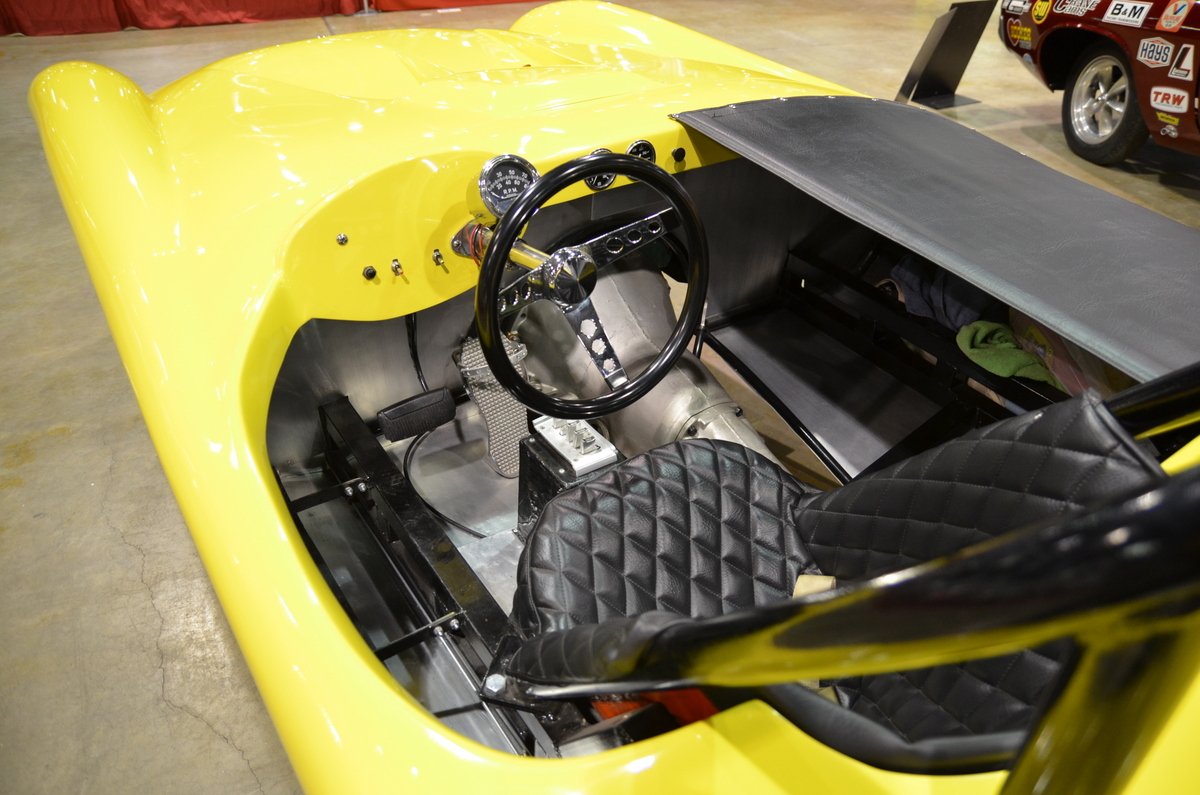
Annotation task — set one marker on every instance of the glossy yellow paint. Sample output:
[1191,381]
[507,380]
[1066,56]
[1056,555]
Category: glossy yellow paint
[1184,458]
[208,215]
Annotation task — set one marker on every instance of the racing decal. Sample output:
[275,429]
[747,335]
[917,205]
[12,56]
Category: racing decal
[1166,118]
[1173,15]
[1155,52]
[1127,12]
[1019,35]
[1075,8]
[1041,8]
[1172,100]
[1184,65]
[1016,6]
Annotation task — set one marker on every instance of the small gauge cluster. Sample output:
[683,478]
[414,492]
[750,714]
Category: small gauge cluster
[640,148]
[505,177]
[502,180]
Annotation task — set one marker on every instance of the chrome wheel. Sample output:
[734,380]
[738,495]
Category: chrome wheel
[1099,99]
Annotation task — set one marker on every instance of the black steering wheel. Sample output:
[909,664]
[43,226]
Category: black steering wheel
[565,276]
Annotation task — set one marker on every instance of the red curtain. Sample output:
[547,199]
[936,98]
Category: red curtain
[36,17]
[412,5]
[43,17]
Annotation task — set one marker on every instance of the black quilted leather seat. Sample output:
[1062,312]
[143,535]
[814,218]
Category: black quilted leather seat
[702,528]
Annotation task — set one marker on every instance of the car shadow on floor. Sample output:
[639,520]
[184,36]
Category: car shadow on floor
[1175,170]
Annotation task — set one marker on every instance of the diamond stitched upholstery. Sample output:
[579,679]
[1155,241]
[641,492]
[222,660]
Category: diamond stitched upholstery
[697,528]
[702,528]
[999,694]
[991,480]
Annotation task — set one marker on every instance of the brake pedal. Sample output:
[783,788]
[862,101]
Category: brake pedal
[416,415]
[503,416]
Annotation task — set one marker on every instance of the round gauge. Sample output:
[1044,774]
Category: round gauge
[600,181]
[642,149]
[502,180]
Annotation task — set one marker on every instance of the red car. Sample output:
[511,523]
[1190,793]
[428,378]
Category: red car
[1127,69]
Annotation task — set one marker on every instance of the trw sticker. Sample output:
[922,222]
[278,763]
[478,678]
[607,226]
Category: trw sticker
[1172,100]
[1155,52]
[1173,15]
[1126,12]
[1183,67]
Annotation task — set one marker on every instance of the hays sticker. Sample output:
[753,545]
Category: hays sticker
[1172,100]
[1155,52]
[1184,65]
[1127,12]
[1173,15]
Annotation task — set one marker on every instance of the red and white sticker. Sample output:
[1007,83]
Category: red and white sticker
[1127,12]
[1173,15]
[1184,65]
[1155,52]
[1172,100]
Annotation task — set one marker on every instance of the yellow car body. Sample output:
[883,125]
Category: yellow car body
[208,214]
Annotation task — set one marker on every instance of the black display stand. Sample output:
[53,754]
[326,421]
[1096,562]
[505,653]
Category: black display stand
[936,71]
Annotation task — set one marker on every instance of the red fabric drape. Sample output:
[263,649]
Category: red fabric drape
[44,17]
[177,13]
[37,17]
[412,5]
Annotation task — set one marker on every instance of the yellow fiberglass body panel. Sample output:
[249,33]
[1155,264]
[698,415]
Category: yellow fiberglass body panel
[209,215]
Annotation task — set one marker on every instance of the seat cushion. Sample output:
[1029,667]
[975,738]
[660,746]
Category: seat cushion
[703,528]
[1021,470]
[991,480]
[697,528]
[999,694]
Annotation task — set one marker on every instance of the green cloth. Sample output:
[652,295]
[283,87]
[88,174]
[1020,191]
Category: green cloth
[993,346]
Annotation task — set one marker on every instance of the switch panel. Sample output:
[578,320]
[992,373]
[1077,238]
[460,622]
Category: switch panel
[577,443]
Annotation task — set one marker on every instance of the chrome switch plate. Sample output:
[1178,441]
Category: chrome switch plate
[579,444]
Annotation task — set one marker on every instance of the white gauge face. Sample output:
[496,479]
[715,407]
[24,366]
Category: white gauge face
[502,180]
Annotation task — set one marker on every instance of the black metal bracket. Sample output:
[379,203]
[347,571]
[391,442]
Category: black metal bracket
[933,78]
[345,489]
[449,621]
[436,571]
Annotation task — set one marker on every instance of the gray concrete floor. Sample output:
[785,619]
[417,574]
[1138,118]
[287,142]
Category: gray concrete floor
[117,670]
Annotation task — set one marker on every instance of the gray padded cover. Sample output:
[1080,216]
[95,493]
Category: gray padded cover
[1119,280]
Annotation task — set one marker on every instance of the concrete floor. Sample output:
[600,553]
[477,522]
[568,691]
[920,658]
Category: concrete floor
[117,670]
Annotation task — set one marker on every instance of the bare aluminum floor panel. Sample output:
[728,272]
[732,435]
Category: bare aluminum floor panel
[856,410]
[451,472]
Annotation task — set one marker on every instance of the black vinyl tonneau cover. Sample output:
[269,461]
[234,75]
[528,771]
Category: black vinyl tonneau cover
[1115,278]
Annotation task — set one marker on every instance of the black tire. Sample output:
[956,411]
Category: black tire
[1100,124]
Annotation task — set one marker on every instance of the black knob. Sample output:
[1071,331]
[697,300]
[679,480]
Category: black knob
[368,273]
[678,154]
